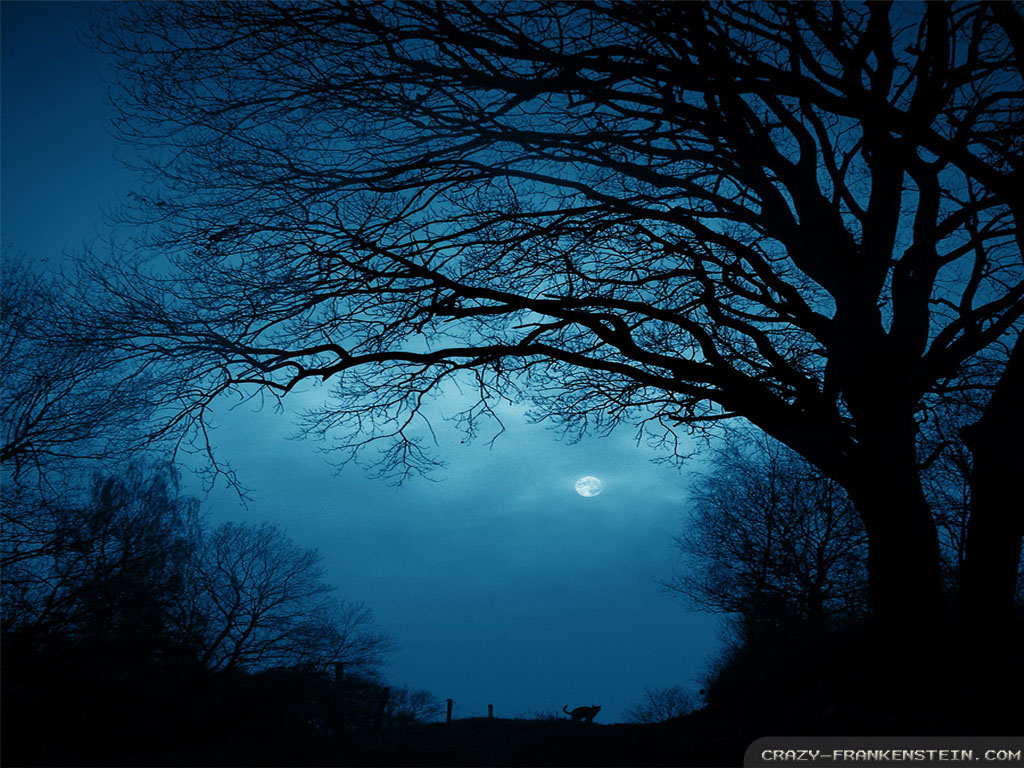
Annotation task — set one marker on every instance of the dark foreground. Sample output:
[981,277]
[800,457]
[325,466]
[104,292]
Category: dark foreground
[498,742]
[72,706]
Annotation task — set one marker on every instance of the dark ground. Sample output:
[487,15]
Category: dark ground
[499,742]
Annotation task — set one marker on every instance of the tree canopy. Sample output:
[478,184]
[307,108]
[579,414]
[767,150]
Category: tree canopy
[664,214]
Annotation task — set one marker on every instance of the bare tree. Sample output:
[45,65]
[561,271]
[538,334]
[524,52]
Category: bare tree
[67,403]
[412,705]
[91,518]
[769,539]
[257,601]
[132,565]
[660,705]
[106,569]
[660,213]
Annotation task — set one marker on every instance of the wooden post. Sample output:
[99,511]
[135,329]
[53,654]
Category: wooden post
[448,717]
[490,711]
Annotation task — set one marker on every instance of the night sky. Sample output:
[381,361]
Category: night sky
[499,583]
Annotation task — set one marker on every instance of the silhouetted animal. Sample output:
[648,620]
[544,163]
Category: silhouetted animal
[583,713]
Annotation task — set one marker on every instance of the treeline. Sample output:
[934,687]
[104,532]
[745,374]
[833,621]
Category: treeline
[134,631]
[779,550]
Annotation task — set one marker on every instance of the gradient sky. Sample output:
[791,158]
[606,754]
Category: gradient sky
[498,582]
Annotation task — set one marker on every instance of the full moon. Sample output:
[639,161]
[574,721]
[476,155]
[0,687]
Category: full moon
[588,486]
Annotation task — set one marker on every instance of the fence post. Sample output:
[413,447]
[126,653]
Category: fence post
[448,717]
[490,711]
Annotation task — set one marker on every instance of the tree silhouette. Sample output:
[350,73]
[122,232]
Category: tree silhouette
[770,540]
[67,403]
[405,706]
[133,634]
[661,704]
[104,571]
[661,213]
[133,566]
[255,600]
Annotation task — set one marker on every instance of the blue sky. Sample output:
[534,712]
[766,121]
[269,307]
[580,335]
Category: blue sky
[499,583]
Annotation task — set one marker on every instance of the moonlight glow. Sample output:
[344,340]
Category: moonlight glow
[588,486]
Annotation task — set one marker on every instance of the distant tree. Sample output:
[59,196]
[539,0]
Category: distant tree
[661,704]
[407,705]
[72,410]
[769,539]
[256,601]
[108,607]
[804,214]
[352,637]
[105,571]
[133,565]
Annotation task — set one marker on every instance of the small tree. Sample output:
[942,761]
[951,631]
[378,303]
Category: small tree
[771,540]
[107,570]
[661,704]
[407,705]
[256,601]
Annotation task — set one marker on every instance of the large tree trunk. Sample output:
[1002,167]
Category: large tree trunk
[874,370]
[992,639]
[904,564]
[906,648]
[996,523]
[905,586]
